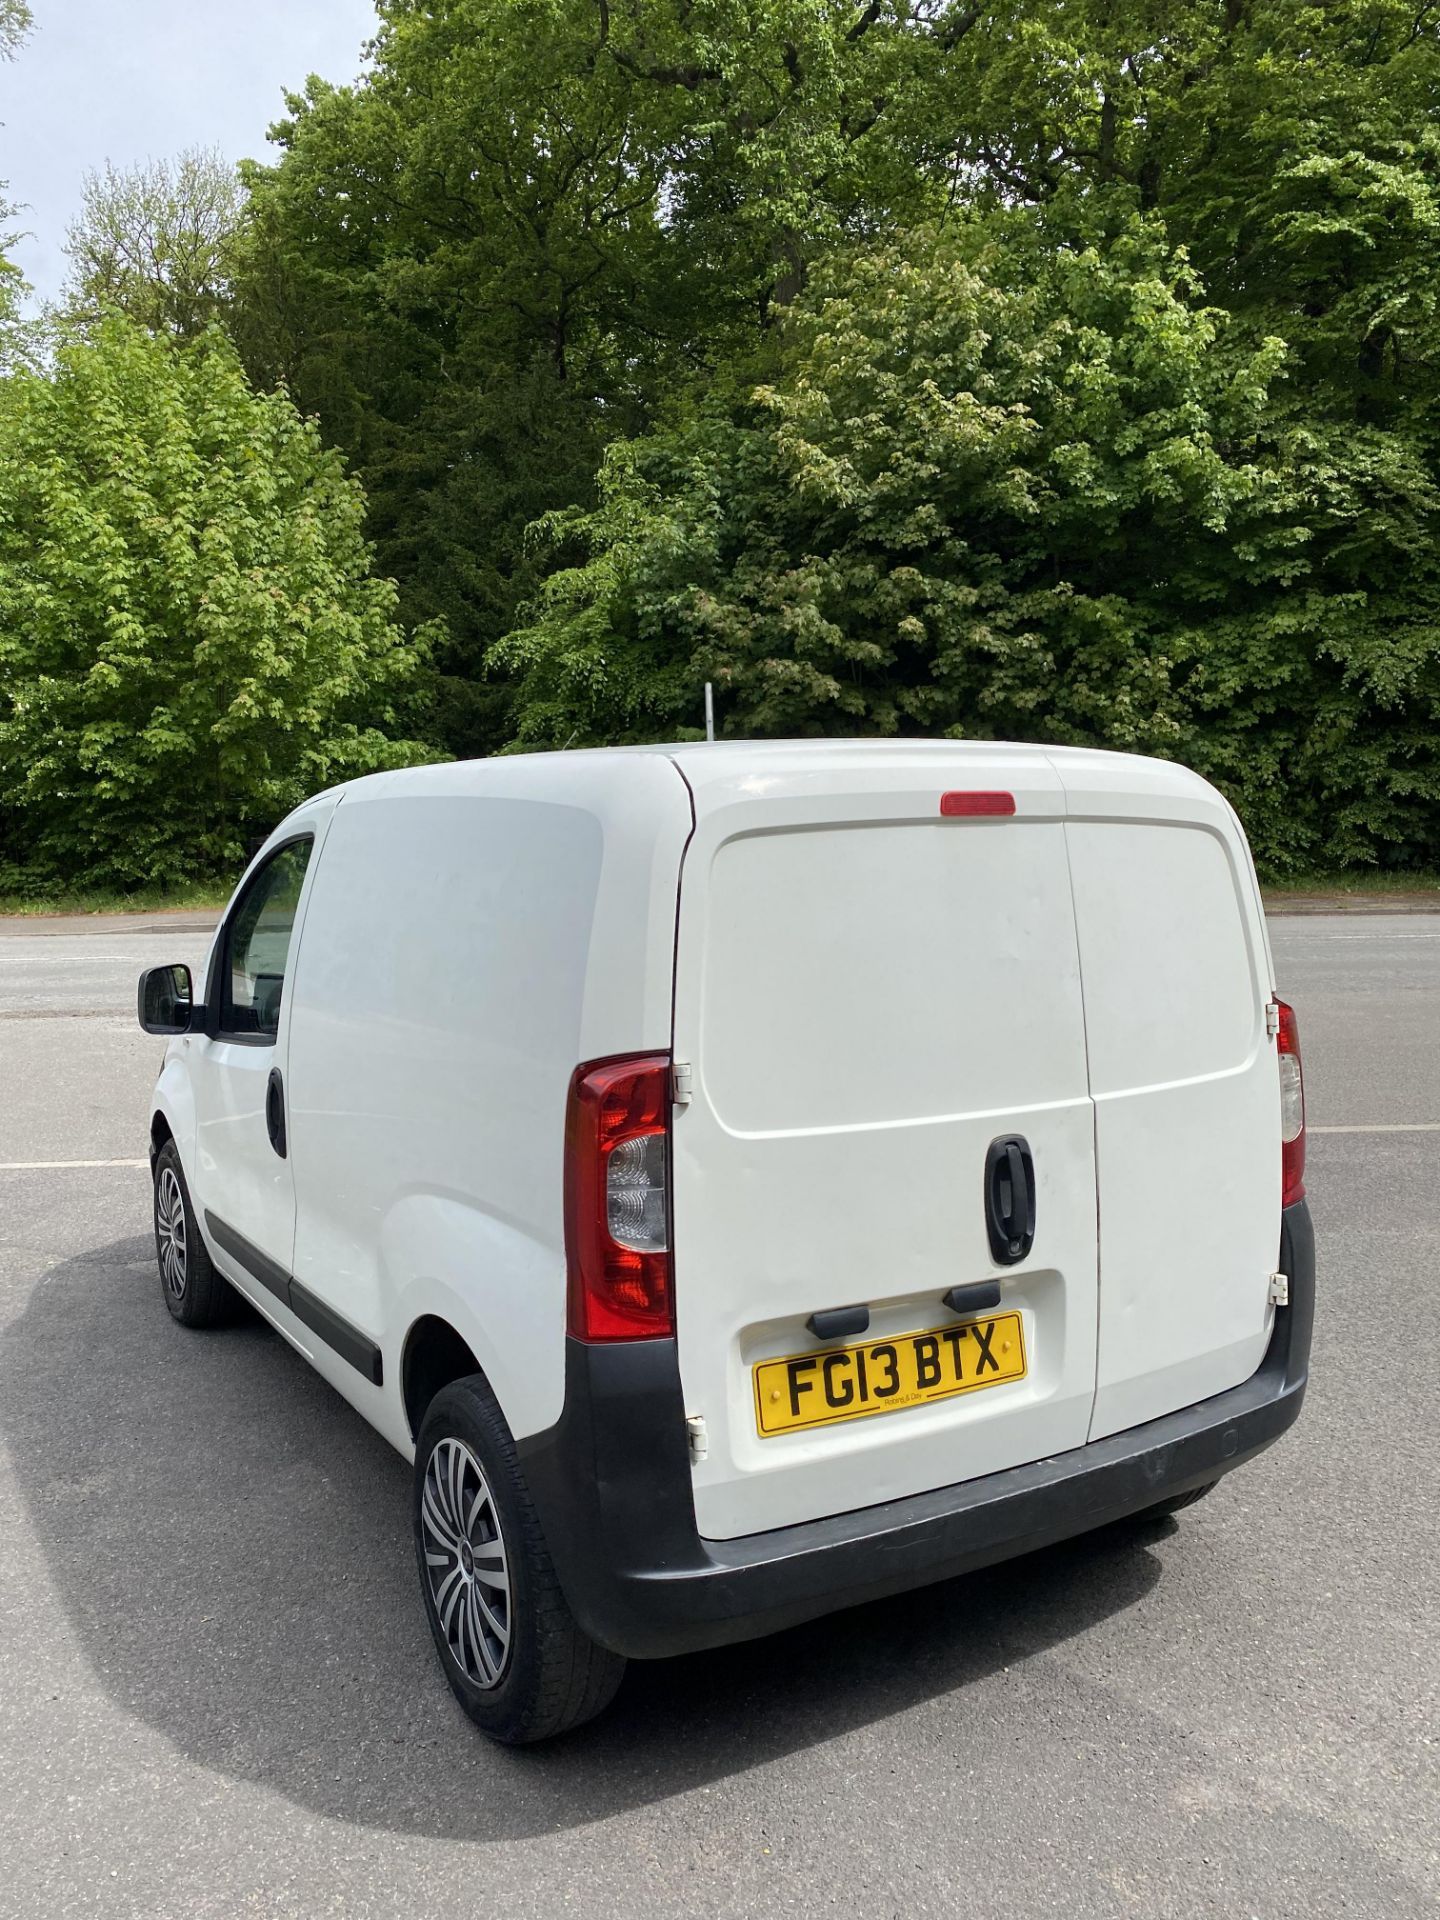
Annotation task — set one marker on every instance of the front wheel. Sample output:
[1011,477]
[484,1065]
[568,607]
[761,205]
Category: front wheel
[515,1657]
[195,1293]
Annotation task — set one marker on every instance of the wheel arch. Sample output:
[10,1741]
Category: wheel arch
[434,1353]
[497,1287]
[160,1132]
[172,1111]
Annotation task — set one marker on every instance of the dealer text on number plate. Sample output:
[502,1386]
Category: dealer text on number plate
[844,1383]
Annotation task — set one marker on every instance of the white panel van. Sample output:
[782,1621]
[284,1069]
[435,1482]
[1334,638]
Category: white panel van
[747,1179]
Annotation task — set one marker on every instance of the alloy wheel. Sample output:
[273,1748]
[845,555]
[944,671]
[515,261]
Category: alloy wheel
[170,1232]
[465,1562]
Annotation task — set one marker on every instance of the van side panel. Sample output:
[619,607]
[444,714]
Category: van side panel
[445,991]
[1186,1090]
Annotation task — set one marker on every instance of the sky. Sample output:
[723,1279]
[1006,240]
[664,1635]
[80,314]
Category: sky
[134,80]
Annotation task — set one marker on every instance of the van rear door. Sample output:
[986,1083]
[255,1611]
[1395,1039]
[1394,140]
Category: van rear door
[869,995]
[1184,1077]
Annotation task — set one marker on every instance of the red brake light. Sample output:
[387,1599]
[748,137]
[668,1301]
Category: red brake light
[1292,1107]
[617,1216]
[969,805]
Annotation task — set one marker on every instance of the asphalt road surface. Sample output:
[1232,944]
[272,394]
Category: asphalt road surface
[217,1692]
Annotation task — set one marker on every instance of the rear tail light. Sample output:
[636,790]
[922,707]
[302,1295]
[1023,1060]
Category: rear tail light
[1292,1107]
[617,1199]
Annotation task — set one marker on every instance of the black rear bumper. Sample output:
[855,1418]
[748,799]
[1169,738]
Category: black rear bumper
[612,1484]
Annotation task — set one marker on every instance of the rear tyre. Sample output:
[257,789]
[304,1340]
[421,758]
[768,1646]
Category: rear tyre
[515,1657]
[195,1293]
[1162,1509]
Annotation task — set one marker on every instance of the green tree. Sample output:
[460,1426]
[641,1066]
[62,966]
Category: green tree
[1290,147]
[980,452]
[1004,487]
[1292,150]
[15,23]
[152,242]
[560,262]
[190,636]
[529,226]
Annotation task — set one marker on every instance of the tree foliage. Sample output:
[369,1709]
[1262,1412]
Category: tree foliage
[152,242]
[533,225]
[190,639]
[1058,367]
[1141,451]
[1006,489]
[15,23]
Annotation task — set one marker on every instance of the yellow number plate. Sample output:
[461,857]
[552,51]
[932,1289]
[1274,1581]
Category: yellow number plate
[844,1383]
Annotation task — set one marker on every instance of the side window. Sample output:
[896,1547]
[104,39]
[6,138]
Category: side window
[257,944]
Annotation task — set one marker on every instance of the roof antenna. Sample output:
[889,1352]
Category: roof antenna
[709,713]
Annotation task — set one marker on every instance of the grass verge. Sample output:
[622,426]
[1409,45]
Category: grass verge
[83,900]
[1353,886]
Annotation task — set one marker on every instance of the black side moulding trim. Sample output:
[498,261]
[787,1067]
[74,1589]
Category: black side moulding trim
[331,1327]
[337,1332]
[258,1265]
[611,1482]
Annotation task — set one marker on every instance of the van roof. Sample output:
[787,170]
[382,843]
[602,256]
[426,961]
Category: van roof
[729,761]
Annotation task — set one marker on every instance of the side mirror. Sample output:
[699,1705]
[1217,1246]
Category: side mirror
[165,1002]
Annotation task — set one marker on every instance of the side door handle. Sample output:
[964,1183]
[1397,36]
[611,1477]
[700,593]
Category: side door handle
[1010,1198]
[275,1111]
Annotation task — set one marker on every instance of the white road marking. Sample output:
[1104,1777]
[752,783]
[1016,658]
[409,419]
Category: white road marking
[67,959]
[1405,1126]
[31,1166]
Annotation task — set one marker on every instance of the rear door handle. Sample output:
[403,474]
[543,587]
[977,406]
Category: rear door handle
[275,1111]
[1010,1198]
